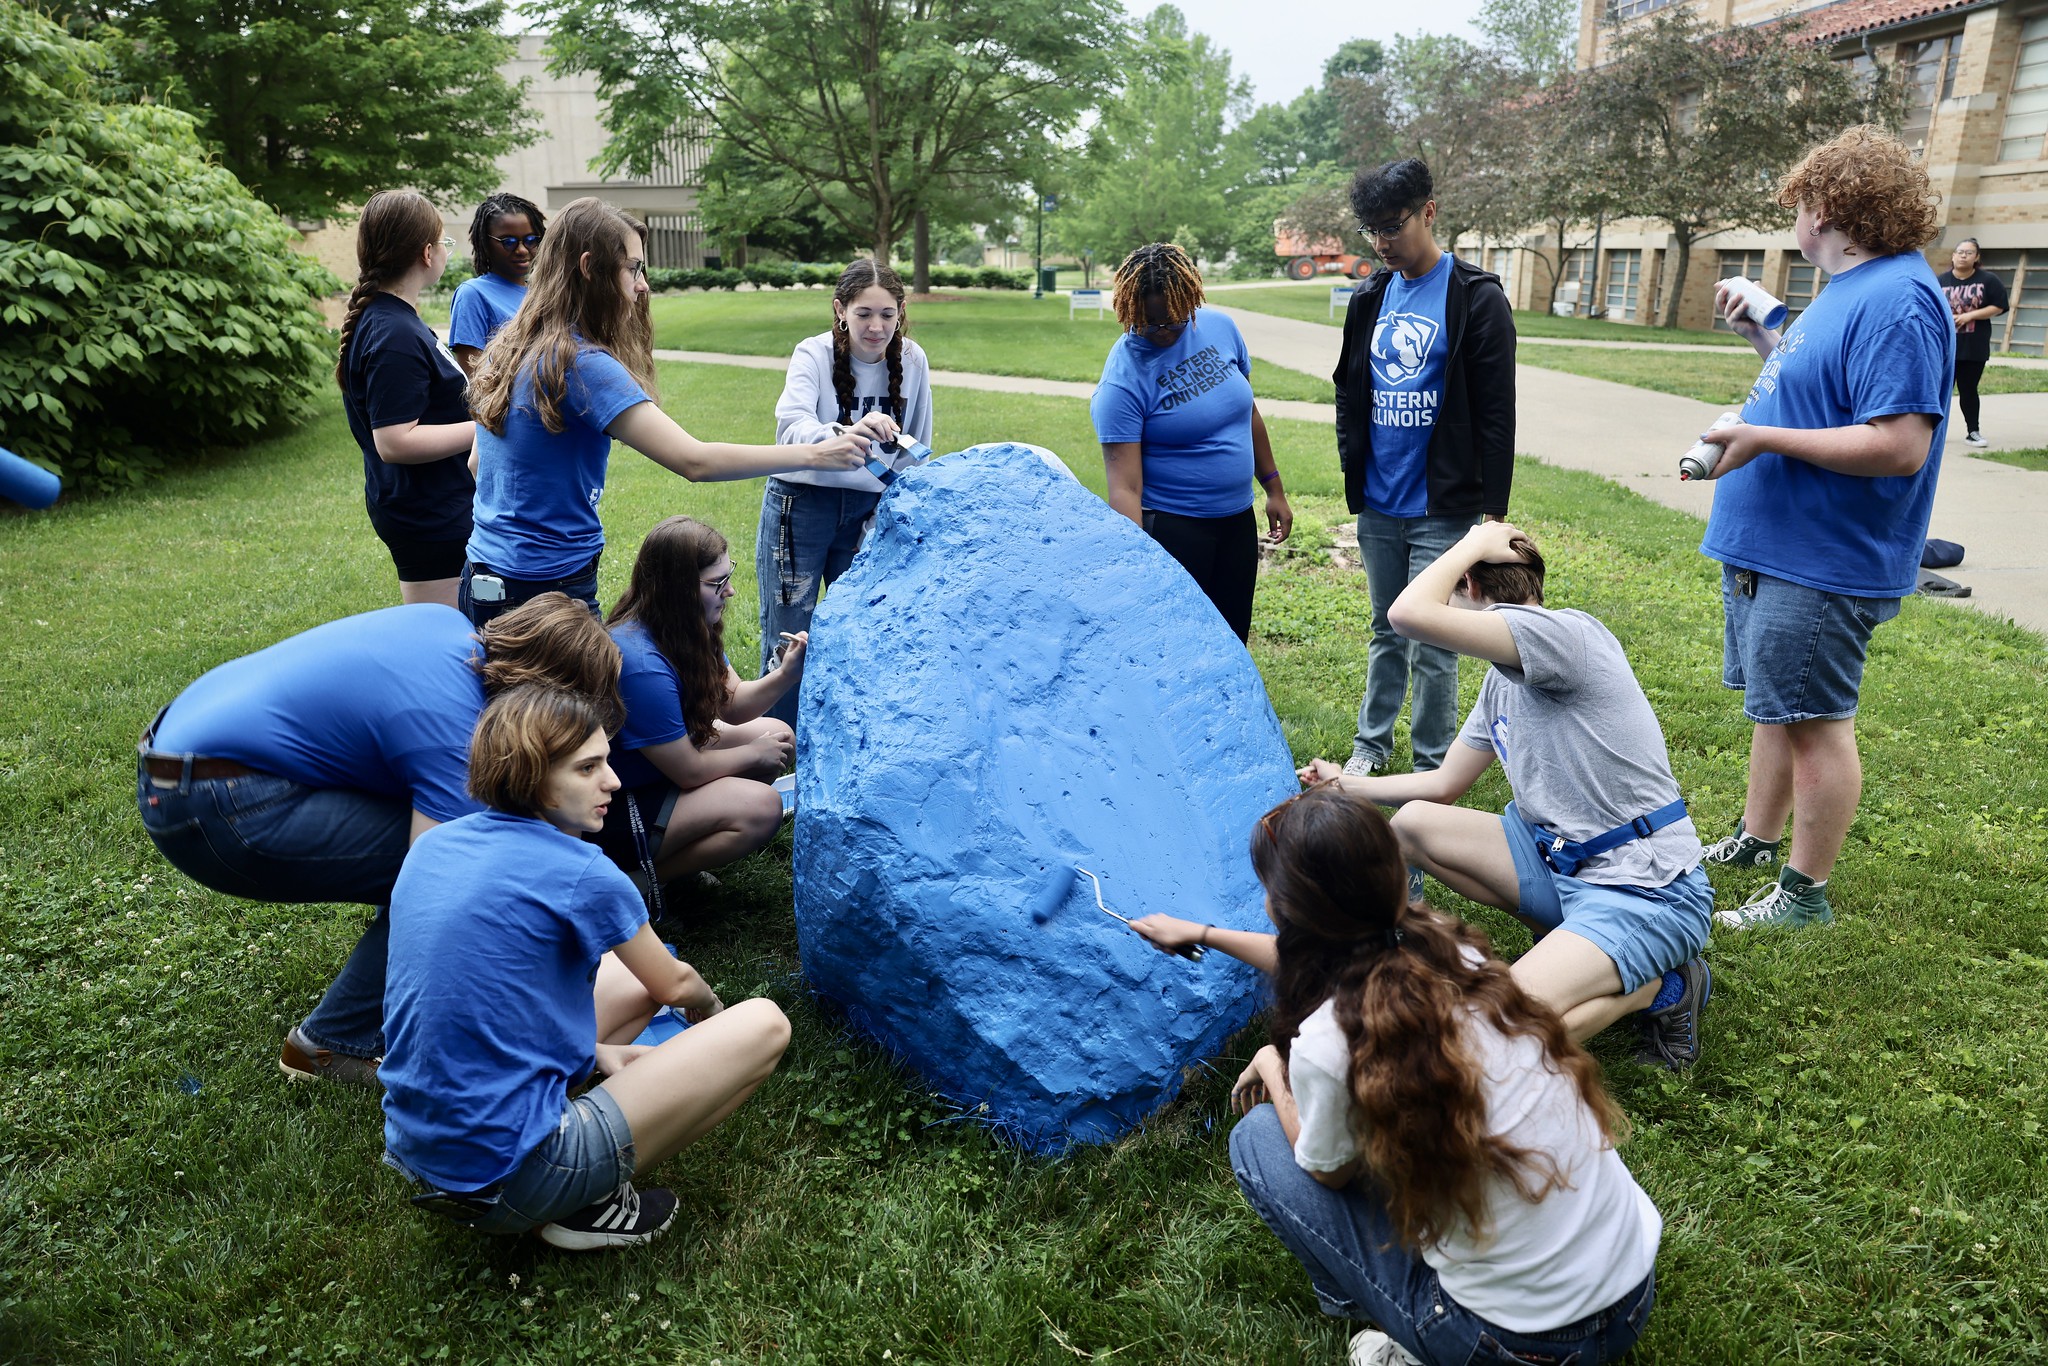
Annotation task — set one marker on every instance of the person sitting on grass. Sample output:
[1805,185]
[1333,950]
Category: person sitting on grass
[696,754]
[521,964]
[1422,1133]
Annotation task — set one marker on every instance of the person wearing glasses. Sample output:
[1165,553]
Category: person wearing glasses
[696,755]
[403,395]
[503,237]
[1182,440]
[1426,438]
[573,371]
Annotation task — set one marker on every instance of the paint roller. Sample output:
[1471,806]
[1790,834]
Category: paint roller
[1057,884]
[30,485]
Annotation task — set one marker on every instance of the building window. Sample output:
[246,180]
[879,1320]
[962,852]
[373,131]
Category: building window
[1501,261]
[1575,279]
[1929,71]
[1802,282]
[2026,112]
[1618,10]
[1747,264]
[1624,284]
[2025,274]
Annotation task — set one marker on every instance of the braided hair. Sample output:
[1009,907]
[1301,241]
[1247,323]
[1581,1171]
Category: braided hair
[1156,268]
[855,280]
[503,204]
[396,226]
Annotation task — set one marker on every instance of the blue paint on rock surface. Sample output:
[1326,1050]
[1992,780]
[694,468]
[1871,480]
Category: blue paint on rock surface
[1012,677]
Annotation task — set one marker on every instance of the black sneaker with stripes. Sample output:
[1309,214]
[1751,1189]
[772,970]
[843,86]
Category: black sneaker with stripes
[624,1218]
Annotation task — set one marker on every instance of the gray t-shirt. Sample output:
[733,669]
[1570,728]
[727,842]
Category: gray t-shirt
[1582,749]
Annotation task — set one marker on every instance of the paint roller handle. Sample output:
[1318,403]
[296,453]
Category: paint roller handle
[1169,934]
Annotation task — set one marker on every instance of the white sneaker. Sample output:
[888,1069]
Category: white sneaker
[1975,439]
[1358,766]
[1374,1348]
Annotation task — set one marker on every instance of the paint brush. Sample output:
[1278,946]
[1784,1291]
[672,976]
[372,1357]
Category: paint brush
[1191,952]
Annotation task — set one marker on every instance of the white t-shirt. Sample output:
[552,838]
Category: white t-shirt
[1543,1265]
[810,405]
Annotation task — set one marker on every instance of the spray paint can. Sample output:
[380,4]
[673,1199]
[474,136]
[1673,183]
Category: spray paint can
[1763,310]
[1699,462]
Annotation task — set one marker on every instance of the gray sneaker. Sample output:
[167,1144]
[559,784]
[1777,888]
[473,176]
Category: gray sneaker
[1363,765]
[1743,850]
[304,1060]
[1671,1036]
[1975,439]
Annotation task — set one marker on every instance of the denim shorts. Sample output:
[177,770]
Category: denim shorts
[589,1155]
[1796,653]
[1647,931]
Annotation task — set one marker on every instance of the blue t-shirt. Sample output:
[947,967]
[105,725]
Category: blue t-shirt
[537,491]
[654,705]
[384,702]
[1189,406]
[497,925]
[482,305]
[399,372]
[1407,358]
[1878,340]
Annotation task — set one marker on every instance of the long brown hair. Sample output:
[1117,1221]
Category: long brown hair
[854,281]
[396,226]
[566,309]
[1405,984]
[665,595]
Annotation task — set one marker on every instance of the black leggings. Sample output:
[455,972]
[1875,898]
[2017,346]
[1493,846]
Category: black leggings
[1968,372]
[1220,553]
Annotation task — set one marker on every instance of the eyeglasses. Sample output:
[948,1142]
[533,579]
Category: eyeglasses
[531,239]
[1149,331]
[1386,234]
[719,585]
[637,269]
[447,243]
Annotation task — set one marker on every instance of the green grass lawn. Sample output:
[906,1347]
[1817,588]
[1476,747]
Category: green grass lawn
[1311,300]
[2026,460]
[1714,379]
[1856,1171]
[989,332]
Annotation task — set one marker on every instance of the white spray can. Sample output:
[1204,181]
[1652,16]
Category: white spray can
[1699,462]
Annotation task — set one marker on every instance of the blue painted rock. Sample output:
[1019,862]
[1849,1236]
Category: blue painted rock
[1009,681]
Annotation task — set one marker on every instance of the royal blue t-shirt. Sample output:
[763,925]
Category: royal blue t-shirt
[497,925]
[1879,340]
[537,491]
[399,372]
[384,702]
[482,305]
[1408,350]
[654,705]
[1189,405]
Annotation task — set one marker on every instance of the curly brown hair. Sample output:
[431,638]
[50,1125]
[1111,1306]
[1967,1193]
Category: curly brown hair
[1867,183]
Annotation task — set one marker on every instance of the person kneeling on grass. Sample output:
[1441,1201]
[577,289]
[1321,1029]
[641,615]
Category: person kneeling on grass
[1596,853]
[520,961]
[697,756]
[1422,1133]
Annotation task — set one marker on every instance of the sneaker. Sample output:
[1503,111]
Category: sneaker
[1374,1348]
[1363,766]
[1671,1036]
[1975,439]
[1743,850]
[1781,906]
[625,1218]
[304,1060]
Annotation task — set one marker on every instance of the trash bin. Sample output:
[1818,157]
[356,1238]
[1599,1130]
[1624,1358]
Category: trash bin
[1048,279]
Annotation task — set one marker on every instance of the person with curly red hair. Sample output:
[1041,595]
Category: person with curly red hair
[1821,511]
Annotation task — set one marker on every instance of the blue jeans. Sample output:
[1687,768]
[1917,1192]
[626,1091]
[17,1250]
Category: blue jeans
[1393,550]
[272,839]
[808,537]
[1795,652]
[1360,1271]
[580,584]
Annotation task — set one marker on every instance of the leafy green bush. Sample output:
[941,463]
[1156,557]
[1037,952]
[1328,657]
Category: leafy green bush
[771,277]
[148,302]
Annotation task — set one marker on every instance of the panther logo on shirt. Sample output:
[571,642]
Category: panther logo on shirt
[595,494]
[1400,344]
[1498,728]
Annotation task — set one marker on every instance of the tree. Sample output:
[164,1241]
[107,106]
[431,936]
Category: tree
[1703,121]
[317,104]
[148,302]
[875,109]
[1538,38]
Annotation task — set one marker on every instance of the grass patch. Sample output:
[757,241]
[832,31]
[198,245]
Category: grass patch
[1310,301]
[1715,379]
[2036,459]
[986,332]
[1855,1172]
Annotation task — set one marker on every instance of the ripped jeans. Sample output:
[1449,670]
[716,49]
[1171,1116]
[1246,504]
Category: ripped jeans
[808,537]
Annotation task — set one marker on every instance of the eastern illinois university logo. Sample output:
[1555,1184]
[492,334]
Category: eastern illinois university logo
[1400,342]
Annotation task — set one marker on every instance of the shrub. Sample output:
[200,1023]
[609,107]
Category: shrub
[148,302]
[772,276]
[994,277]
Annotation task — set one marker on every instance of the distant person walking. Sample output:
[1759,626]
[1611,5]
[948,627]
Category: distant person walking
[1426,437]
[504,236]
[1181,438]
[403,396]
[1975,297]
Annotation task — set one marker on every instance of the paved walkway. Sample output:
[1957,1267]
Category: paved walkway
[1635,436]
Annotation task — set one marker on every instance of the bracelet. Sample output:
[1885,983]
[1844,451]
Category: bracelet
[1203,937]
[1267,479]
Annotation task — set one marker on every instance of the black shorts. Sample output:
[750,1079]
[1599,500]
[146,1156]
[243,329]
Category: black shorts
[657,803]
[422,561]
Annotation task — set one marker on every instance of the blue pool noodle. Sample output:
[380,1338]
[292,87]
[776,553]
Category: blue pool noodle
[30,485]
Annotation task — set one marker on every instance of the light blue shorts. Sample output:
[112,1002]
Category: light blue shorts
[586,1158]
[1647,931]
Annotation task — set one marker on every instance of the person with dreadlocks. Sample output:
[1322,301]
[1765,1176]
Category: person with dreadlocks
[572,372]
[866,375]
[504,235]
[1181,436]
[403,396]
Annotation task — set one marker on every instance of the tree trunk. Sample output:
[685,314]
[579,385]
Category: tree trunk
[739,251]
[1684,259]
[921,254]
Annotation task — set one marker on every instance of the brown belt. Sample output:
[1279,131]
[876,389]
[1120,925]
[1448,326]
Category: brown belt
[170,768]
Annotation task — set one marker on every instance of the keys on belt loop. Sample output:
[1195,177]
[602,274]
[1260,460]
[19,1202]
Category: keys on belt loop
[1745,582]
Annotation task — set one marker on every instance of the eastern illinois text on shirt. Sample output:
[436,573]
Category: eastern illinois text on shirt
[1193,377]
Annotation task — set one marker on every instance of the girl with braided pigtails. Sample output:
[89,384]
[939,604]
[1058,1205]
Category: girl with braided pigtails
[504,236]
[865,376]
[403,394]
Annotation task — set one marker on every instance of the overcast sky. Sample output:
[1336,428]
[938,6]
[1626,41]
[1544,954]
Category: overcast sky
[1282,44]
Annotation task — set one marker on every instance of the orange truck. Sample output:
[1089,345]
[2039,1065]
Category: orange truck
[1306,259]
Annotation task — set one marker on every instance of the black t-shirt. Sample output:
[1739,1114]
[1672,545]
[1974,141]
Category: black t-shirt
[398,372]
[1981,290]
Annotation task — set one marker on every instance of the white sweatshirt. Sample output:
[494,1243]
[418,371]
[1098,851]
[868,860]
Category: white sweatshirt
[809,405]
